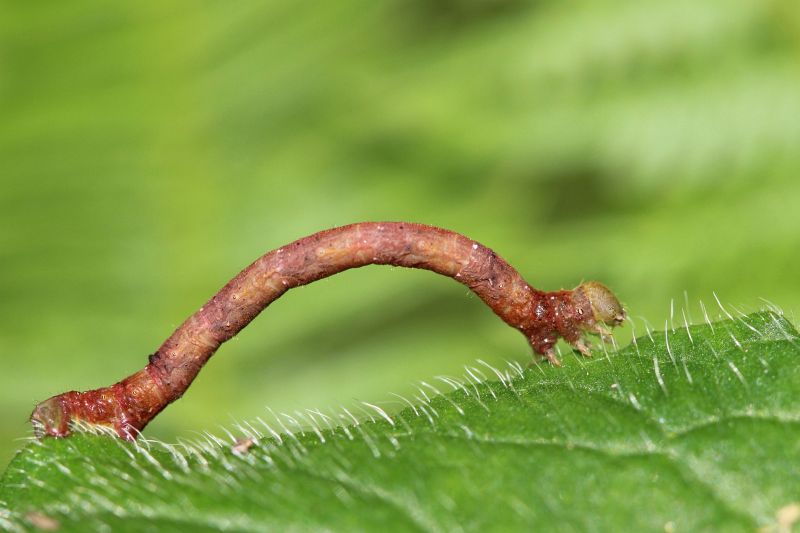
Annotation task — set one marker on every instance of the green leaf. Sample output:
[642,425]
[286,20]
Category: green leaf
[689,429]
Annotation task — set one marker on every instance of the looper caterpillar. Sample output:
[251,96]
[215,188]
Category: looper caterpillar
[543,317]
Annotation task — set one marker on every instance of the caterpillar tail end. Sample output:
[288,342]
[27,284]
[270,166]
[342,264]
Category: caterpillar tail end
[51,418]
[60,415]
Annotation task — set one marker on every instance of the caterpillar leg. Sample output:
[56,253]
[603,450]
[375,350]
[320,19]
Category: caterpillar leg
[604,332]
[551,357]
[581,346]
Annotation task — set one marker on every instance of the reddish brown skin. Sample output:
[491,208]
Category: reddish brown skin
[128,406]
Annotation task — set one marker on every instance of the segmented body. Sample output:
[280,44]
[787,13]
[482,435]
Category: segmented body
[541,316]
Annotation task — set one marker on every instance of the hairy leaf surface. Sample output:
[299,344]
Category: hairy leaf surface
[688,429]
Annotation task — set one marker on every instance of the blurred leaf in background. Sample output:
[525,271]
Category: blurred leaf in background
[149,151]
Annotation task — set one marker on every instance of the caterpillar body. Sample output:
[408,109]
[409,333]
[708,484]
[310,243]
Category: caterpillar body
[129,405]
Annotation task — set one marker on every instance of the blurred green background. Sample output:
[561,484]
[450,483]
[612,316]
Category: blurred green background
[149,151]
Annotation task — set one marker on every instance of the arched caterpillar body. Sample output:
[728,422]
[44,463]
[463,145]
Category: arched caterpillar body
[541,316]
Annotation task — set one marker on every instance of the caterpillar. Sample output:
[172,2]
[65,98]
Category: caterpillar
[129,405]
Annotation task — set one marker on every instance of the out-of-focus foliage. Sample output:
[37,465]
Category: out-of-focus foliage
[150,150]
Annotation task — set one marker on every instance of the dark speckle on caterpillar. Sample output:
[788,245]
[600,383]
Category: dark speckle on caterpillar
[543,317]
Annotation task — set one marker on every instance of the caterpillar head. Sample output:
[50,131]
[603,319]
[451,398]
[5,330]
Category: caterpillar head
[605,307]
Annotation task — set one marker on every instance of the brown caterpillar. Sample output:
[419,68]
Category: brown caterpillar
[541,316]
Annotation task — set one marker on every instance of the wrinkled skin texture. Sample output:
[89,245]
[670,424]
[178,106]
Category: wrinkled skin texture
[541,316]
